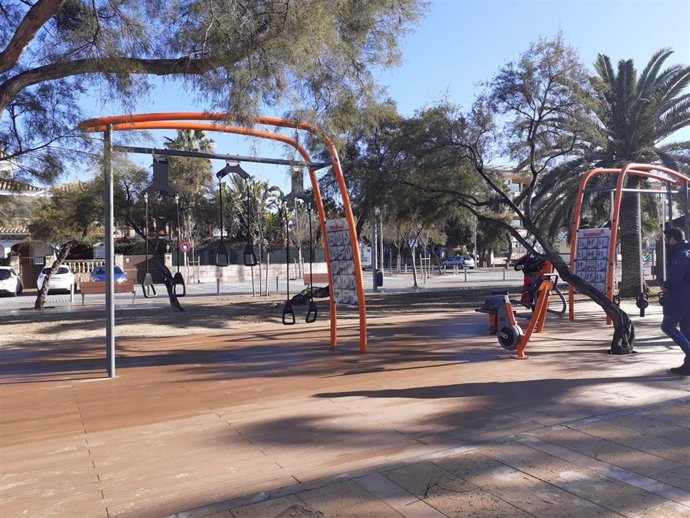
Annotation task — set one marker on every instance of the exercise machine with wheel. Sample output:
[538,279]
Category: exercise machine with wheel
[504,323]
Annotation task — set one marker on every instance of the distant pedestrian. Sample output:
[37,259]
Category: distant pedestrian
[676,290]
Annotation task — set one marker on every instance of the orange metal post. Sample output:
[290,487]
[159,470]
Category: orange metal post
[538,318]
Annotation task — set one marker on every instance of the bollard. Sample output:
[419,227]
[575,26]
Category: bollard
[276,284]
[465,274]
[217,286]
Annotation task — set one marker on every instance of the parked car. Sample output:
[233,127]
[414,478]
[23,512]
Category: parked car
[62,280]
[98,274]
[461,261]
[453,261]
[10,282]
[468,261]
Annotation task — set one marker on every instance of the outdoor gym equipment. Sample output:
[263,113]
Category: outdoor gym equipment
[312,309]
[218,122]
[147,286]
[533,267]
[160,186]
[298,194]
[502,316]
[179,287]
[288,310]
[604,261]
[222,257]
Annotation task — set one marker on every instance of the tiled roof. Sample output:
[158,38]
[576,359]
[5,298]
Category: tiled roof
[14,230]
[14,185]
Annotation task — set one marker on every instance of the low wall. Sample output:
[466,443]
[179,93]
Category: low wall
[235,273]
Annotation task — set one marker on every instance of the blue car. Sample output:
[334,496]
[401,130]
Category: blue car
[99,274]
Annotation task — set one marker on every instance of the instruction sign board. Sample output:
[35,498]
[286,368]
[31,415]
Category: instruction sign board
[592,256]
[342,261]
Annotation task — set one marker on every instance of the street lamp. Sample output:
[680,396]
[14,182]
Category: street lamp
[375,273]
[474,246]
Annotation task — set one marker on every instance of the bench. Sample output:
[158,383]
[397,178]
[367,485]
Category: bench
[316,278]
[98,288]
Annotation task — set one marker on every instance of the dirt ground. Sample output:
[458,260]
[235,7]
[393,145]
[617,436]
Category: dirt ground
[203,315]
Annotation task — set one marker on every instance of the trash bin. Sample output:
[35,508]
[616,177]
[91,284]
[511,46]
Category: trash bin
[378,278]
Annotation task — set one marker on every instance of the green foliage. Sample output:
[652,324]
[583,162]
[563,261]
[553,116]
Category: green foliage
[639,112]
[634,115]
[69,216]
[310,56]
[15,210]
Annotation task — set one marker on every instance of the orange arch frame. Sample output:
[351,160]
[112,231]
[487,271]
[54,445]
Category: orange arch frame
[633,169]
[186,121]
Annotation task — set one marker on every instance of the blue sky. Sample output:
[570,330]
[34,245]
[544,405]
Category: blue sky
[461,43]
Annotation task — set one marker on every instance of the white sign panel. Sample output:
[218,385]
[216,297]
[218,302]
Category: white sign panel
[592,256]
[342,261]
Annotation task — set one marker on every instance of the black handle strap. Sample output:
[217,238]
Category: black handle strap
[179,287]
[311,312]
[288,314]
[147,287]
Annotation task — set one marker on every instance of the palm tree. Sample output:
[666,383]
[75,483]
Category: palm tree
[193,179]
[636,115]
[639,113]
[250,201]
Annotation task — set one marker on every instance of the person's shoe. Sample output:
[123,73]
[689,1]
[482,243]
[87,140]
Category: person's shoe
[681,371]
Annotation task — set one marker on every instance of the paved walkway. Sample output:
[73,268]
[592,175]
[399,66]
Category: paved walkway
[265,421]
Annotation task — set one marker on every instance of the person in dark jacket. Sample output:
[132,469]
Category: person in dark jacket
[676,290]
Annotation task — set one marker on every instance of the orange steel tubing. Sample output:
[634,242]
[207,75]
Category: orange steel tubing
[536,324]
[633,169]
[97,124]
[167,121]
[262,134]
[576,227]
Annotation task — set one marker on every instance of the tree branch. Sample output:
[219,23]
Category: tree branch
[110,65]
[35,18]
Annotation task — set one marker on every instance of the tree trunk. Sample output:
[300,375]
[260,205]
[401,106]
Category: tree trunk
[414,269]
[629,234]
[623,328]
[42,294]
[169,285]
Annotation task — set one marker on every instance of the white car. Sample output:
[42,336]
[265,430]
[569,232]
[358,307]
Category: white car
[461,261]
[468,261]
[62,280]
[10,282]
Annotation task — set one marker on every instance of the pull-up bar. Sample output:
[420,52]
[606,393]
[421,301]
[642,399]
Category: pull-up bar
[220,156]
[641,191]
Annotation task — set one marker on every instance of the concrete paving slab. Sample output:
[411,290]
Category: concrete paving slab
[434,421]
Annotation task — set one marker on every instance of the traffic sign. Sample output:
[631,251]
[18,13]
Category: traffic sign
[185,247]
